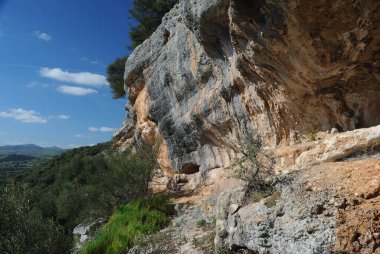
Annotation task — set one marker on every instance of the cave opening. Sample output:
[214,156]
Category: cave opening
[190,168]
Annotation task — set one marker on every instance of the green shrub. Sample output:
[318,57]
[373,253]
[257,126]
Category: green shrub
[129,222]
[250,166]
[254,167]
[23,229]
[84,184]
[201,223]
[89,182]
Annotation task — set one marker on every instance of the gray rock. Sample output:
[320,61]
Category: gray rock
[296,224]
[216,69]
[84,233]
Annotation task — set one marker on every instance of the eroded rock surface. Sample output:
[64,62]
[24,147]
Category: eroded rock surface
[305,75]
[331,208]
[216,69]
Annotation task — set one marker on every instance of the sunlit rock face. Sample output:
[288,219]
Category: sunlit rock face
[217,69]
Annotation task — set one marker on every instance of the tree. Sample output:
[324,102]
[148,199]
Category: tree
[115,76]
[148,13]
[254,166]
[23,230]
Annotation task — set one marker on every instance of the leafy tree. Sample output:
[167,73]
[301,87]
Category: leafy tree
[115,76]
[148,13]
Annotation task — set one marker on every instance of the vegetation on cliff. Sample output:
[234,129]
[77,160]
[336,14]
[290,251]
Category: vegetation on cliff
[23,228]
[129,221]
[81,184]
[148,14]
[115,77]
[255,167]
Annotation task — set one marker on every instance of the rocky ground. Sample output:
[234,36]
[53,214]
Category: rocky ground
[330,206]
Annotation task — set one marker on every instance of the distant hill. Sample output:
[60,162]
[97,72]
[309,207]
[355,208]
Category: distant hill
[30,149]
[16,159]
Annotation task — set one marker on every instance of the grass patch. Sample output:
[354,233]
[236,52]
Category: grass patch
[129,222]
[272,200]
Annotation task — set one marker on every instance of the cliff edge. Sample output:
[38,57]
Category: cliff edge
[306,76]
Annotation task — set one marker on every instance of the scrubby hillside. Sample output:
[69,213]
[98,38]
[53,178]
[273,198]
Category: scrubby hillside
[81,185]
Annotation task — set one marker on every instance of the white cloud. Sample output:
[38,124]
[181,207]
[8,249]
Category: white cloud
[79,136]
[41,36]
[77,91]
[25,116]
[72,146]
[64,117]
[14,143]
[101,129]
[81,78]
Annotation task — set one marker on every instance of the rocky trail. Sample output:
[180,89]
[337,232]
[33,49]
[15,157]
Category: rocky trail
[332,206]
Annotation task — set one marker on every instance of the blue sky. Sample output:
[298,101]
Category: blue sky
[53,58]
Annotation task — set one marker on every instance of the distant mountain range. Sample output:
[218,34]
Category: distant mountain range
[30,150]
[16,159]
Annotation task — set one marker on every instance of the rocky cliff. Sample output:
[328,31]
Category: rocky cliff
[216,69]
[291,70]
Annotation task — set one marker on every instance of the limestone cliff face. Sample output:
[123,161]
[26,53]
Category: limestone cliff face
[216,69]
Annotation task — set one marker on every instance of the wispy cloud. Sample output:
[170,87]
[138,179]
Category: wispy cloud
[91,61]
[64,117]
[41,36]
[101,129]
[37,85]
[22,115]
[79,136]
[81,78]
[77,91]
